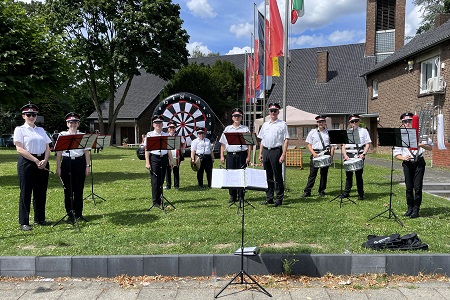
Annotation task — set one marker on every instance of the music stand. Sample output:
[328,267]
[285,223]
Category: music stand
[162,143]
[395,137]
[71,142]
[340,137]
[241,139]
[103,141]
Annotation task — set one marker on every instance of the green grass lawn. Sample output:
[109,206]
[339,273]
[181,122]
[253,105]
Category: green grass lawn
[203,222]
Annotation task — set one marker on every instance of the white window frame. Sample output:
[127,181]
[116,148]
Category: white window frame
[429,68]
[375,88]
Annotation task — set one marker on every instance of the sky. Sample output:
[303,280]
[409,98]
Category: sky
[226,26]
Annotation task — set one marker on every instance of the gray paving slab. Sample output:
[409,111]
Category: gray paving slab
[309,293]
[421,293]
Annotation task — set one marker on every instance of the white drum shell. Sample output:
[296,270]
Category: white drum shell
[353,164]
[322,161]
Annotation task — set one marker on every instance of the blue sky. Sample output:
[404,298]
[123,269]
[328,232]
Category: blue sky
[225,26]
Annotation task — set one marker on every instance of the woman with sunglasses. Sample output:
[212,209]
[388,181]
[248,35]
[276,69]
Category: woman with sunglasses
[413,165]
[356,151]
[202,147]
[33,145]
[73,166]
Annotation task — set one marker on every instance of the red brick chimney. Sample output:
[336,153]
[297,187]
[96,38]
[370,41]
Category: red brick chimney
[440,19]
[322,66]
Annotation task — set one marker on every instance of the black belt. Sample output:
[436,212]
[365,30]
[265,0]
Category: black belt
[237,152]
[156,155]
[274,148]
[39,155]
[73,157]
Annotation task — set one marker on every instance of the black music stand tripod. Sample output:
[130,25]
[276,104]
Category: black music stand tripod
[102,142]
[241,139]
[393,137]
[66,143]
[162,143]
[340,137]
[242,273]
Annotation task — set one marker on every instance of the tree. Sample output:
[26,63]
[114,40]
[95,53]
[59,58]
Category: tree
[429,9]
[32,59]
[111,40]
[220,85]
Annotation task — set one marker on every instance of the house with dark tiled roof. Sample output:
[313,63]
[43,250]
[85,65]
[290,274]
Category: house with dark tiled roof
[413,79]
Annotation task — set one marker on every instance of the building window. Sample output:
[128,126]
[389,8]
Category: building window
[335,126]
[375,88]
[428,69]
[293,132]
[306,130]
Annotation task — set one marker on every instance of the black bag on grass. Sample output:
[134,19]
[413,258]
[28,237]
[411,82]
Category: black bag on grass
[395,242]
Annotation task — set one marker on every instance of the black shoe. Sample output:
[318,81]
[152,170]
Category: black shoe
[156,204]
[267,202]
[277,204]
[321,194]
[70,220]
[360,197]
[415,213]
[43,223]
[232,200]
[167,187]
[345,195]
[306,195]
[177,188]
[25,227]
[408,212]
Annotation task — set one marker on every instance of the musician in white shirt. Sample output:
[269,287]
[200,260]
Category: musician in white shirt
[413,165]
[157,161]
[318,142]
[356,151]
[202,148]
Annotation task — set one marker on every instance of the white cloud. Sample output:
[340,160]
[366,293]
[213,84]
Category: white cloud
[237,50]
[242,30]
[345,36]
[413,20]
[315,40]
[201,9]
[197,46]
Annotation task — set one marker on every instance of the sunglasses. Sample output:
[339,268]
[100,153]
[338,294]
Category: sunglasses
[273,110]
[354,121]
[406,121]
[237,116]
[72,121]
[29,115]
[200,133]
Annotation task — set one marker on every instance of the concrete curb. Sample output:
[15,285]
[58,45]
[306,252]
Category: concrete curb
[313,265]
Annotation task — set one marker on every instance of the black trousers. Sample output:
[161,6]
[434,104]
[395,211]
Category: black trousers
[32,181]
[414,173]
[274,173]
[205,167]
[312,177]
[158,167]
[236,160]
[359,182]
[74,185]
[176,176]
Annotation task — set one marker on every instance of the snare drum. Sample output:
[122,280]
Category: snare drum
[353,164]
[322,161]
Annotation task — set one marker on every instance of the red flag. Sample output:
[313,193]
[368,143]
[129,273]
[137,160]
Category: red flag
[276,30]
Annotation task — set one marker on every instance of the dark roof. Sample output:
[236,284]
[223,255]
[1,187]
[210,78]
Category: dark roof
[345,92]
[419,43]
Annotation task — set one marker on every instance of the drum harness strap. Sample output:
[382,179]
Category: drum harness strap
[321,140]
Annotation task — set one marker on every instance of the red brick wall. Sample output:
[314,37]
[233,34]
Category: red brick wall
[441,158]
[398,92]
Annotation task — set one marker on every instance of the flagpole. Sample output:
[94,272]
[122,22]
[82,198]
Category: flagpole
[285,50]
[255,11]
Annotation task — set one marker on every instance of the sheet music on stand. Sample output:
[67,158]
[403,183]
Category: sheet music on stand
[103,141]
[249,178]
[241,138]
[409,137]
[75,141]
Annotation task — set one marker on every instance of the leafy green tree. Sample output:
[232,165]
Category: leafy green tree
[430,8]
[111,40]
[32,59]
[220,85]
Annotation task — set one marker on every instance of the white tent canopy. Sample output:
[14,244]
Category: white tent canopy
[294,117]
